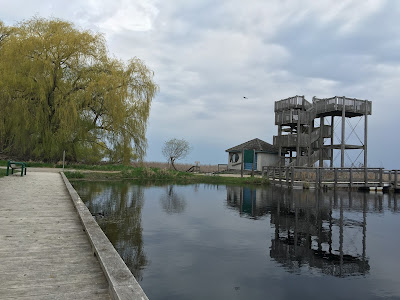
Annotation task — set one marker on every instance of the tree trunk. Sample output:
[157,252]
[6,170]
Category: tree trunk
[172,163]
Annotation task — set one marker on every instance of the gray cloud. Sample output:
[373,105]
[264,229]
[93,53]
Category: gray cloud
[207,55]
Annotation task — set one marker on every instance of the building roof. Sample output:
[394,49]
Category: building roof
[257,144]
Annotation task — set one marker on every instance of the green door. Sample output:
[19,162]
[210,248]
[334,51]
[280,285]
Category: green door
[248,160]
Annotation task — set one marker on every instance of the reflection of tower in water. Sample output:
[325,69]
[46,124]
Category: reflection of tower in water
[314,231]
[316,234]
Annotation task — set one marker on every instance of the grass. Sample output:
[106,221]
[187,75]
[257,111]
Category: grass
[3,172]
[232,180]
[140,173]
[118,167]
[164,175]
[151,165]
[75,174]
[32,164]
[146,171]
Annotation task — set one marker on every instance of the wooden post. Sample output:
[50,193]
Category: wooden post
[280,176]
[242,164]
[291,156]
[273,175]
[280,145]
[342,146]
[316,178]
[292,175]
[332,140]
[341,226]
[298,139]
[364,227]
[366,176]
[287,177]
[321,142]
[252,166]
[395,178]
[335,178]
[319,177]
[310,130]
[366,137]
[351,178]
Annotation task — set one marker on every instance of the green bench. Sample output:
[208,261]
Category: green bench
[15,165]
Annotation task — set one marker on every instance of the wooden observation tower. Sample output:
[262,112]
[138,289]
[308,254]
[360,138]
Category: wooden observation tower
[302,143]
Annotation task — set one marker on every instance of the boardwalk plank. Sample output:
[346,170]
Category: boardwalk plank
[44,251]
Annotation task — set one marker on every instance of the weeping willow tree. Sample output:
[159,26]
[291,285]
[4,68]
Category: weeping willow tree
[60,90]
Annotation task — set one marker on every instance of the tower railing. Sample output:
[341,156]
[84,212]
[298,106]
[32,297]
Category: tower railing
[358,106]
[296,102]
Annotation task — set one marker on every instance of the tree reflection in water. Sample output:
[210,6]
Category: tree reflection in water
[171,201]
[313,230]
[118,209]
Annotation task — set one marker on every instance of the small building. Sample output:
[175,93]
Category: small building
[262,153]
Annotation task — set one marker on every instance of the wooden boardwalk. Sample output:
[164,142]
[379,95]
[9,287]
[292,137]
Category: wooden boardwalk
[349,178]
[44,252]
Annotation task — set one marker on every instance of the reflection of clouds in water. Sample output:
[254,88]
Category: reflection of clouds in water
[273,235]
[172,202]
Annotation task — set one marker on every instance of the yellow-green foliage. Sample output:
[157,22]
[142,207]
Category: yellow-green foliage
[147,172]
[59,90]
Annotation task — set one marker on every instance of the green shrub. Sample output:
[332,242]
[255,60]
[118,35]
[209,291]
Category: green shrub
[164,173]
[148,173]
[74,174]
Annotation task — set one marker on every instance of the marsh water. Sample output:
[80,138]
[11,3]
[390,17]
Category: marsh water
[229,242]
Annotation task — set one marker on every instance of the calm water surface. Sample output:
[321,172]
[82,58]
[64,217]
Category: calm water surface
[223,242]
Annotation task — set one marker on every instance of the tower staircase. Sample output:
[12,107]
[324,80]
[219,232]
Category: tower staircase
[297,134]
[303,144]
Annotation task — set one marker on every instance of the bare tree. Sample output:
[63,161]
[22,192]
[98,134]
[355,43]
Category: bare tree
[175,149]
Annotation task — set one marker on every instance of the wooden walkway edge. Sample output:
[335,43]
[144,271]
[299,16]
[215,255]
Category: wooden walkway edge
[45,252]
[123,285]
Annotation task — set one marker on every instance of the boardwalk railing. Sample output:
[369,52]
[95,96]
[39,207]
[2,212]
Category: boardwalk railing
[194,169]
[222,167]
[323,177]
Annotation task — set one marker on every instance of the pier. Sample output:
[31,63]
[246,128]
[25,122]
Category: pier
[367,179]
[52,248]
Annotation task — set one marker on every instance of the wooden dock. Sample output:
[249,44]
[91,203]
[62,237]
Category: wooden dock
[44,251]
[366,179]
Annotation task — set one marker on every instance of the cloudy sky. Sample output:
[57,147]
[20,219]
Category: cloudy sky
[207,55]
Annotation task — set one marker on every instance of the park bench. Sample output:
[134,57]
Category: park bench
[15,165]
